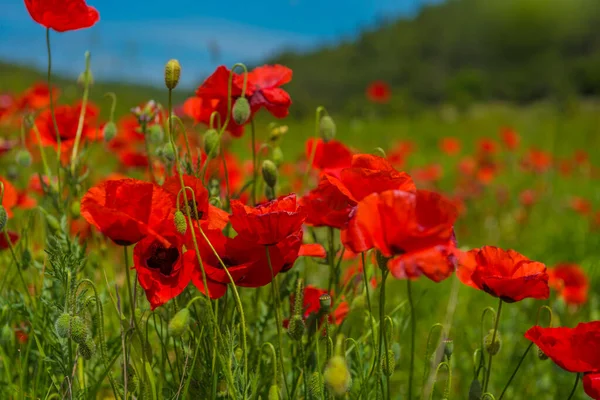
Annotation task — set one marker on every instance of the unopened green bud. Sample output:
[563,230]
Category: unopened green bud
[156,134]
[214,187]
[133,381]
[109,131]
[492,344]
[541,355]
[324,303]
[337,375]
[3,217]
[86,78]
[239,354]
[277,156]
[212,143]
[327,128]
[76,209]
[63,325]
[222,389]
[388,363]
[172,73]
[26,259]
[87,348]
[168,151]
[179,323]
[241,111]
[448,347]
[23,158]
[475,391]
[270,192]
[79,330]
[379,152]
[299,298]
[358,303]
[296,327]
[315,387]
[180,223]
[269,172]
[274,393]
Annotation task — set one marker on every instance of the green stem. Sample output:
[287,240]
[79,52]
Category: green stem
[367,283]
[133,322]
[313,150]
[254,168]
[382,337]
[275,294]
[147,147]
[516,370]
[18,264]
[413,326]
[489,368]
[42,152]
[86,94]
[574,387]
[52,114]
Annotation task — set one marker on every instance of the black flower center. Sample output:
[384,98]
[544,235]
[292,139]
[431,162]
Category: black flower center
[196,213]
[163,260]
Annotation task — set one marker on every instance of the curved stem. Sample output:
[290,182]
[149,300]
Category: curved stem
[86,93]
[574,387]
[489,368]
[254,168]
[516,370]
[413,326]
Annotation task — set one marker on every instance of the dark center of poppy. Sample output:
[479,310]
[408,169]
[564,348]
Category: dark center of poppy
[195,212]
[163,260]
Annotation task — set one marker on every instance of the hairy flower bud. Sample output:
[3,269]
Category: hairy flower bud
[337,375]
[110,131]
[133,380]
[241,111]
[269,192]
[296,327]
[269,173]
[76,209]
[156,134]
[388,363]
[180,223]
[274,393]
[85,78]
[172,74]
[327,128]
[315,386]
[63,325]
[87,348]
[23,158]
[475,390]
[492,347]
[277,156]
[179,323]
[79,330]
[3,217]
[212,143]
[168,152]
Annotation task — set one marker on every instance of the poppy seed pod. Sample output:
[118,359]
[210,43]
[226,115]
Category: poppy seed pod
[172,74]
[315,386]
[87,348]
[296,327]
[180,223]
[179,323]
[3,217]
[324,303]
[274,393]
[388,363]
[241,111]
[492,347]
[448,347]
[212,142]
[327,128]
[23,158]
[110,131]
[79,330]
[337,375]
[63,325]
[269,172]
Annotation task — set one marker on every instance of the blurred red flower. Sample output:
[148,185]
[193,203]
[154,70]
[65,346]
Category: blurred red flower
[269,223]
[527,197]
[35,97]
[311,305]
[163,269]
[510,138]
[503,273]
[450,145]
[537,160]
[326,205]
[62,15]
[13,236]
[487,146]
[379,92]
[328,156]
[580,205]
[570,281]
[11,196]
[126,210]
[573,349]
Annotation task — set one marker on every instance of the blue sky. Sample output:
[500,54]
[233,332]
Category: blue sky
[134,38]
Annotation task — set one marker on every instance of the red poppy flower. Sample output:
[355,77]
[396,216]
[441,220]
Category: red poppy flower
[11,196]
[163,269]
[62,15]
[400,152]
[133,158]
[212,217]
[487,146]
[268,223]
[328,156]
[126,210]
[312,250]
[503,273]
[67,118]
[450,145]
[311,305]
[35,98]
[573,349]
[265,90]
[327,206]
[436,263]
[429,173]
[580,205]
[581,157]
[537,160]
[379,92]
[527,197]
[510,138]
[570,281]
[13,236]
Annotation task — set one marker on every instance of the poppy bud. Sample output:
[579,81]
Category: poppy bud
[23,158]
[63,325]
[492,347]
[109,131]
[239,353]
[168,152]
[26,259]
[337,376]
[79,330]
[241,111]
[475,391]
[172,74]
[299,298]
[76,209]
[222,389]
[269,193]
[180,223]
[541,355]
[212,143]
[327,128]
[277,156]
[3,218]
[214,188]
[296,327]
[448,347]
[315,386]
[133,381]
[179,323]
[269,173]
[325,304]
[388,363]
[379,152]
[87,348]
[156,134]
[85,78]
[274,393]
